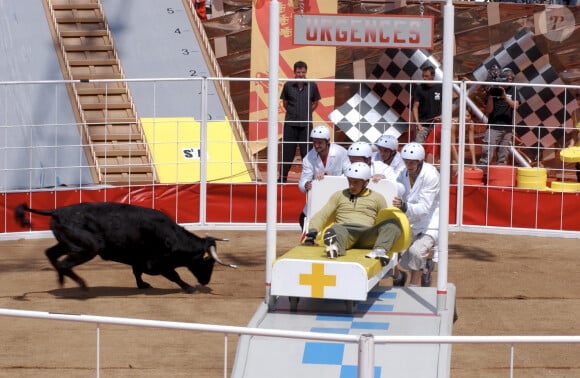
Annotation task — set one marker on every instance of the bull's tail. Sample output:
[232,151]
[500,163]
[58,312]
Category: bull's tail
[20,214]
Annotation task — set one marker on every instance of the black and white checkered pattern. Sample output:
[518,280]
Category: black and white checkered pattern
[381,108]
[384,108]
[546,112]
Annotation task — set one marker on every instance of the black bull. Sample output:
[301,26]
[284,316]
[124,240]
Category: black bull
[146,239]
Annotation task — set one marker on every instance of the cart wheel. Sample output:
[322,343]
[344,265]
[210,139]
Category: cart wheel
[293,303]
[350,306]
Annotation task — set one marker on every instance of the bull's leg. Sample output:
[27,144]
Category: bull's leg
[137,272]
[63,265]
[172,275]
[71,260]
[53,254]
[77,244]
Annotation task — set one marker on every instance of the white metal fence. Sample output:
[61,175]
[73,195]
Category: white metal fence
[43,161]
[366,342]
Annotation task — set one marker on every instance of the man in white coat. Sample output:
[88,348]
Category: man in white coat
[388,153]
[418,198]
[324,159]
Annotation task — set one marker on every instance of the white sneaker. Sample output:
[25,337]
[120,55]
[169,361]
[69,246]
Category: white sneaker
[331,244]
[380,254]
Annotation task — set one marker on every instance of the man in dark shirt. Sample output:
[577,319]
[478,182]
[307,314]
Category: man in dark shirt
[502,102]
[426,108]
[299,99]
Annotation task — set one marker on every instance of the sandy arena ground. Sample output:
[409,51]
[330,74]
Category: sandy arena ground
[505,286]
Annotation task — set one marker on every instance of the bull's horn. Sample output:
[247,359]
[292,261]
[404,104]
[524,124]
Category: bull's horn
[214,238]
[213,253]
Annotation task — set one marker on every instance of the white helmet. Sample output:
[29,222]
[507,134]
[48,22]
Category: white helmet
[320,132]
[360,149]
[413,151]
[388,141]
[359,170]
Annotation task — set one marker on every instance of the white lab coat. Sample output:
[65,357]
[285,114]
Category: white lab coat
[336,164]
[380,168]
[397,164]
[422,200]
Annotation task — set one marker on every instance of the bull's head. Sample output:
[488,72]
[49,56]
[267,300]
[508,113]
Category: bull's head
[203,268]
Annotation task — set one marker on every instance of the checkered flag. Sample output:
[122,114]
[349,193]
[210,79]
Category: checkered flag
[546,112]
[381,108]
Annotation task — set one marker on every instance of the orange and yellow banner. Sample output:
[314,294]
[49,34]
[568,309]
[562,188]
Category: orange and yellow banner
[321,62]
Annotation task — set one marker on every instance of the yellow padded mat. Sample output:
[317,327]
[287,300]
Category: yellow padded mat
[175,146]
[316,253]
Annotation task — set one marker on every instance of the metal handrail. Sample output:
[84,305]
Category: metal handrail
[365,349]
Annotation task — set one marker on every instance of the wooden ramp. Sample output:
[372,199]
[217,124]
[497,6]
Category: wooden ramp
[108,123]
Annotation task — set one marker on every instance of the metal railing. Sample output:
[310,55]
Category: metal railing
[252,222]
[366,342]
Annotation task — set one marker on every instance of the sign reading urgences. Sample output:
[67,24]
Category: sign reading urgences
[364,31]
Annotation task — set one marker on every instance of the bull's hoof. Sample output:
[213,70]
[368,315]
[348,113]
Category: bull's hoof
[82,285]
[189,289]
[144,285]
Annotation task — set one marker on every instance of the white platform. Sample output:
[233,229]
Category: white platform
[388,311]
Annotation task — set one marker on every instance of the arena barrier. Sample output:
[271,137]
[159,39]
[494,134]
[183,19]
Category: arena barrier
[35,171]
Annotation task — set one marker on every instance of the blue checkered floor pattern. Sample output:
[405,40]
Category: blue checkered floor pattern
[325,353]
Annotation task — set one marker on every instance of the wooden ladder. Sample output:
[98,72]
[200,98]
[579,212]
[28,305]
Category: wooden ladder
[110,128]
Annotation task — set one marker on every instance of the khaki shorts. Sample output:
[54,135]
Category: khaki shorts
[415,257]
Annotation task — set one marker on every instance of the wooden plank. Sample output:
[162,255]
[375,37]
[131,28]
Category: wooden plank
[84,47]
[93,62]
[100,91]
[110,151]
[125,168]
[118,121]
[78,20]
[83,76]
[105,105]
[84,33]
[75,6]
[115,137]
[125,179]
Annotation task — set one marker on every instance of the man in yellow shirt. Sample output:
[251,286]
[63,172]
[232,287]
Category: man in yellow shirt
[354,212]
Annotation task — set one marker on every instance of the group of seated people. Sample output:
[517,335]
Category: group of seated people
[355,209]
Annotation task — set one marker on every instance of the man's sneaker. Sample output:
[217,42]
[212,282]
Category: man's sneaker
[379,254]
[426,276]
[401,280]
[331,244]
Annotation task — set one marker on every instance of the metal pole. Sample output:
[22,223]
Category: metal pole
[98,350]
[366,356]
[446,109]
[203,155]
[272,190]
